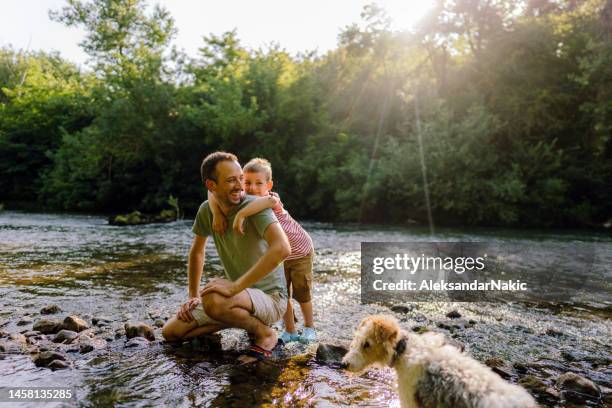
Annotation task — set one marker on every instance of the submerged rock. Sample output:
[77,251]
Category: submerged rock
[58,365]
[403,309]
[51,309]
[87,345]
[101,321]
[578,389]
[47,326]
[138,218]
[331,354]
[65,336]
[139,330]
[75,323]
[24,321]
[46,357]
[137,342]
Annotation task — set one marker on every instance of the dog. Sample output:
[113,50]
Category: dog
[430,372]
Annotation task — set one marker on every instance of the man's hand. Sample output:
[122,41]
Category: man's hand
[184,313]
[221,286]
[238,224]
[219,223]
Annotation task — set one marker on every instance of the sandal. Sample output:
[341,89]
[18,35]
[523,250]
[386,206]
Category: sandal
[258,353]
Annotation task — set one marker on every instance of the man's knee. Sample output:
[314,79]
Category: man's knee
[215,305]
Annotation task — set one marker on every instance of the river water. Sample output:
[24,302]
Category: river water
[139,274]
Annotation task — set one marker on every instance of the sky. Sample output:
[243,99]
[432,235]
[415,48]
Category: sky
[296,25]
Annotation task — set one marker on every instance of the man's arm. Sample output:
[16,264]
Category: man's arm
[252,208]
[278,250]
[196,264]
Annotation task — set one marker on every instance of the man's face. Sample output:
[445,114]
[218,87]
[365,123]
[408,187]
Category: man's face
[228,187]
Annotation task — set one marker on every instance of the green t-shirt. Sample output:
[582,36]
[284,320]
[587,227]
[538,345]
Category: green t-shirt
[239,253]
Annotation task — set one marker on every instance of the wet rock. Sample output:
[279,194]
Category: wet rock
[536,387]
[420,329]
[24,321]
[65,336]
[210,342]
[520,367]
[119,333]
[331,354]
[137,342]
[577,389]
[87,345]
[58,365]
[159,323]
[51,309]
[47,326]
[46,357]
[101,321]
[139,330]
[402,308]
[495,362]
[500,367]
[75,323]
[453,314]
[31,333]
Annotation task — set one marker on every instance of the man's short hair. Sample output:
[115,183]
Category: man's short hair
[258,165]
[208,169]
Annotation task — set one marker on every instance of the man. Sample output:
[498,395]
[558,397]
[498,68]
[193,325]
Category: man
[254,295]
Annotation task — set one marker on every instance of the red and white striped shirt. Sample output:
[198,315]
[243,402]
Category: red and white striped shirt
[300,241]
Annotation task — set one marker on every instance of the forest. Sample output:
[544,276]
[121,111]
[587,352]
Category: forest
[504,105]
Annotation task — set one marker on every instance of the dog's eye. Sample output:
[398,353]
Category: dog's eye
[366,345]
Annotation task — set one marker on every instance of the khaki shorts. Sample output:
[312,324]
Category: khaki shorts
[298,273]
[269,308]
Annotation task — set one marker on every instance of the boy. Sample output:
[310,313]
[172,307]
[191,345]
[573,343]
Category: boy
[298,266]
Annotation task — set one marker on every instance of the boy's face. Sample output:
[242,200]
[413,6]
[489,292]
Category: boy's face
[257,184]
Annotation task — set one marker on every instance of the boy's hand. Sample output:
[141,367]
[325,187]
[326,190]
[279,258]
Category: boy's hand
[184,313]
[238,224]
[219,224]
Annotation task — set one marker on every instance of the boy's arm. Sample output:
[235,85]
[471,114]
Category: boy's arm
[252,208]
[219,224]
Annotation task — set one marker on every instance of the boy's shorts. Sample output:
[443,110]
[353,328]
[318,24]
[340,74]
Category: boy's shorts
[267,307]
[298,273]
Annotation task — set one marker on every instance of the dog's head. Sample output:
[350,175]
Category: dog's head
[374,343]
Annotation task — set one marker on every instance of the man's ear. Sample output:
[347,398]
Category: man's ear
[210,184]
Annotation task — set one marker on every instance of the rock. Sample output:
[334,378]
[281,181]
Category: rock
[455,324]
[31,333]
[86,345]
[331,354]
[47,326]
[100,321]
[119,333]
[577,389]
[18,338]
[402,309]
[495,362]
[520,367]
[137,342]
[139,330]
[453,314]
[46,357]
[210,342]
[554,332]
[159,323]
[500,367]
[65,336]
[51,309]
[24,321]
[58,365]
[420,329]
[75,324]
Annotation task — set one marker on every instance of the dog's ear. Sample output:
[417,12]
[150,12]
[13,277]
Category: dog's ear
[363,322]
[385,329]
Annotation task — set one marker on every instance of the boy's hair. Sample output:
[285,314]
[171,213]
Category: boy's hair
[258,165]
[208,169]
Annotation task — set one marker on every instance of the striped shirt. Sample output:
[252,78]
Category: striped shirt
[300,241]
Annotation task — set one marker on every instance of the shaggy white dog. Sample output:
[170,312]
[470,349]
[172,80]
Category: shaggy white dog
[430,372]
